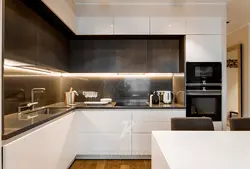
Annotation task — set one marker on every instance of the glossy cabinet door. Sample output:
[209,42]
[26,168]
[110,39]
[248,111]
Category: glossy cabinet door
[141,144]
[63,10]
[204,48]
[94,25]
[146,121]
[163,56]
[51,146]
[167,26]
[205,26]
[104,144]
[131,25]
[103,132]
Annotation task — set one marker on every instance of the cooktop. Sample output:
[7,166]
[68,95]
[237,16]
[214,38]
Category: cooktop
[131,104]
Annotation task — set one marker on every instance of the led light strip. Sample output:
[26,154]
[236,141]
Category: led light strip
[41,72]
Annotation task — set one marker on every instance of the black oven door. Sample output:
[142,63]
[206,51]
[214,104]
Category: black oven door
[203,72]
[204,104]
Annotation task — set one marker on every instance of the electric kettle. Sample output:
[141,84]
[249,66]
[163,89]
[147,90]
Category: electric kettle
[168,97]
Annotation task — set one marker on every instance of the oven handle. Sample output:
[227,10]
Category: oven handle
[204,91]
[203,94]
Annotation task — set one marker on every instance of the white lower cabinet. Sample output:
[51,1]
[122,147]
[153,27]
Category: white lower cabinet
[141,144]
[104,144]
[104,132]
[146,121]
[49,147]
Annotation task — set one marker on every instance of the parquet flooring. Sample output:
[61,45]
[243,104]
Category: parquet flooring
[111,164]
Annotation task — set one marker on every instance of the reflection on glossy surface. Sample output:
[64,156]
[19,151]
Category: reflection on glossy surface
[17,121]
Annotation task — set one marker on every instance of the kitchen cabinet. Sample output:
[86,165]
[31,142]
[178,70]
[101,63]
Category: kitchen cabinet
[92,56]
[146,121]
[163,56]
[205,26]
[167,26]
[102,121]
[100,55]
[64,10]
[131,25]
[104,144]
[20,34]
[30,39]
[204,48]
[141,144]
[104,132]
[95,25]
[131,56]
[52,147]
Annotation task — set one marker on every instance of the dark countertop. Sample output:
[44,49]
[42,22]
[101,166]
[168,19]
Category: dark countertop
[80,105]
[15,124]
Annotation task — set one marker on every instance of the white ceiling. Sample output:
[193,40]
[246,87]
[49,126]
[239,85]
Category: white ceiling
[238,14]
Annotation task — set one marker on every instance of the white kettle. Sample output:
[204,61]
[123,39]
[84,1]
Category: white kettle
[168,97]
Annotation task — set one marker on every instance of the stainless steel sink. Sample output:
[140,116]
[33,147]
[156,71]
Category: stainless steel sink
[52,110]
[48,110]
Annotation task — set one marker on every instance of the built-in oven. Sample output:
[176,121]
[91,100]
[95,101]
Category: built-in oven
[203,73]
[204,101]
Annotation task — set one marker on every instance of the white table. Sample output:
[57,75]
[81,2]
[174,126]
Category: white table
[200,150]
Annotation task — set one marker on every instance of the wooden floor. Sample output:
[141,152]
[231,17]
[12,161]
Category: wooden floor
[111,164]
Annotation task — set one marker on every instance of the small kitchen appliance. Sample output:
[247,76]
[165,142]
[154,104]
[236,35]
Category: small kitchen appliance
[168,97]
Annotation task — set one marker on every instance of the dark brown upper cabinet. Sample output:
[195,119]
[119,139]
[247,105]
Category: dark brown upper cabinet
[163,56]
[30,39]
[127,54]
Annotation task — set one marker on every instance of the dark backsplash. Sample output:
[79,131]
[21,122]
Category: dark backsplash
[18,85]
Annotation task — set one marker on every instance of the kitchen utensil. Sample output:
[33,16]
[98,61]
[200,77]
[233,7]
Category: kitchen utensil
[168,97]
[95,103]
[70,97]
[106,100]
[90,94]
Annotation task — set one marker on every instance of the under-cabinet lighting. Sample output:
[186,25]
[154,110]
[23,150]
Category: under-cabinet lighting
[179,74]
[36,71]
[115,75]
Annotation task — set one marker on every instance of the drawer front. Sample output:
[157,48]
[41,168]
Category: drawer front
[109,121]
[156,115]
[148,127]
[141,144]
[104,144]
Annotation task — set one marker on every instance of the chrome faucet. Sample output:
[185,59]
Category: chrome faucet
[33,91]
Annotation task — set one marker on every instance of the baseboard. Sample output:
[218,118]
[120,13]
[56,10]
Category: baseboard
[113,157]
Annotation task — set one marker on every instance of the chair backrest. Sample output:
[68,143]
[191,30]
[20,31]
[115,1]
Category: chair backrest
[192,123]
[240,124]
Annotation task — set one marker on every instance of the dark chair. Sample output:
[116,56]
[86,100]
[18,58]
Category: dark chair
[192,123]
[240,124]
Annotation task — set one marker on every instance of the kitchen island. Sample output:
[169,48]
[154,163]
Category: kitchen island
[200,150]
